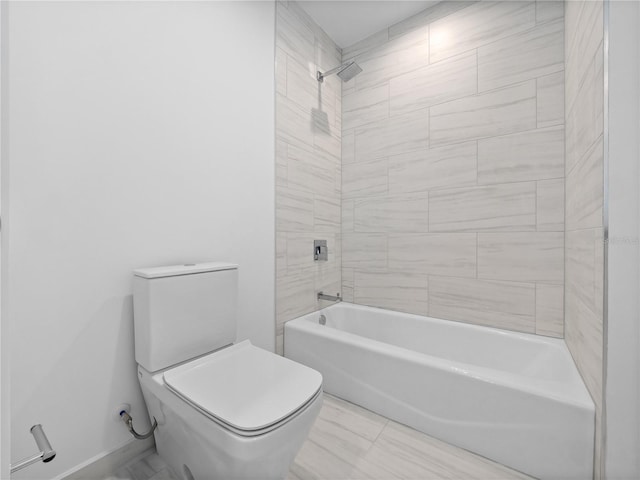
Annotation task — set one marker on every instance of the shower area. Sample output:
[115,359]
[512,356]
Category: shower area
[454,166]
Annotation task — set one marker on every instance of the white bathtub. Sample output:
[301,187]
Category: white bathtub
[512,397]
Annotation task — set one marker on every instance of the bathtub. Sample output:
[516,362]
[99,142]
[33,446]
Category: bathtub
[512,397]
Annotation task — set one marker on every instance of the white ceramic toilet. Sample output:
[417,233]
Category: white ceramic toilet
[225,411]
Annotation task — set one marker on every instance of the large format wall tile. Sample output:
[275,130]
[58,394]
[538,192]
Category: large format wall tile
[456,128]
[348,147]
[302,87]
[398,56]
[308,164]
[326,137]
[293,125]
[448,166]
[550,98]
[585,117]
[281,254]
[294,210]
[348,207]
[584,267]
[584,37]
[328,278]
[550,205]
[432,84]
[583,333]
[304,172]
[584,323]
[348,284]
[282,154]
[392,213]
[435,254]
[529,54]
[393,136]
[326,213]
[547,10]
[293,35]
[521,257]
[365,178]
[365,106]
[584,246]
[376,40]
[479,24]
[499,112]
[550,310]
[585,190]
[401,291]
[294,295]
[364,250]
[504,207]
[521,157]
[429,15]
[508,305]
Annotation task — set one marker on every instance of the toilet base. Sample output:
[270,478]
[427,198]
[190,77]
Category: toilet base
[197,448]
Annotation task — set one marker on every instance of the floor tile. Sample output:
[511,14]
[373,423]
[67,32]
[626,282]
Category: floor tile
[337,450]
[348,442]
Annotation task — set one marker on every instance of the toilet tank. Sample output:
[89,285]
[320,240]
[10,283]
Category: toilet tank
[183,311]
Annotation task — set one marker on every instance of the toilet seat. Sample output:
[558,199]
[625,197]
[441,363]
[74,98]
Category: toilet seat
[245,389]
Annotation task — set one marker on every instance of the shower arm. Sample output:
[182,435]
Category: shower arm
[320,76]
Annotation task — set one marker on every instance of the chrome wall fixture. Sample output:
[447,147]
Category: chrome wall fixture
[320,251]
[331,298]
[346,71]
[46,453]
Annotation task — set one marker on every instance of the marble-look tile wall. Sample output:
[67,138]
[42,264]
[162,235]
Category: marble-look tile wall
[308,173]
[453,166]
[584,246]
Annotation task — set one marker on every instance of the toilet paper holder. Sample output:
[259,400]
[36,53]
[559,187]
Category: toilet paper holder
[46,453]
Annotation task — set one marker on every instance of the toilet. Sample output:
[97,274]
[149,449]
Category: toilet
[225,410]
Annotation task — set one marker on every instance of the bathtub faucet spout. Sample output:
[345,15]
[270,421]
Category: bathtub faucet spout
[331,298]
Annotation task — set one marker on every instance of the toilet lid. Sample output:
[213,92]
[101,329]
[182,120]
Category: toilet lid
[245,386]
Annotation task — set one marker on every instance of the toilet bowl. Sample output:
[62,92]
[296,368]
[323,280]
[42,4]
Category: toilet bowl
[235,411]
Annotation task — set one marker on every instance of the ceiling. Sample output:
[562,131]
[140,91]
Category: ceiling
[349,21]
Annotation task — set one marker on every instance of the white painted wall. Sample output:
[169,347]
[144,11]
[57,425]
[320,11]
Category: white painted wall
[141,134]
[622,390]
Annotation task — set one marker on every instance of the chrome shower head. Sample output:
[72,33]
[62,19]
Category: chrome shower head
[350,71]
[346,71]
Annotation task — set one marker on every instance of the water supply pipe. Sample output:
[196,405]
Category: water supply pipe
[128,420]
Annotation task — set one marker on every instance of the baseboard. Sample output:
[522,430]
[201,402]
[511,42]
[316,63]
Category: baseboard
[106,463]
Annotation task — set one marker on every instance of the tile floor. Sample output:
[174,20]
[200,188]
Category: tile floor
[349,442]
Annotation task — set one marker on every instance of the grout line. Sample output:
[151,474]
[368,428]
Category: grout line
[484,185]
[477,248]
[590,149]
[536,82]
[535,308]
[384,427]
[536,206]
[428,43]
[477,71]
[489,137]
[429,124]
[477,162]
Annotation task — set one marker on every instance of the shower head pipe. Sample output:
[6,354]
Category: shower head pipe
[346,71]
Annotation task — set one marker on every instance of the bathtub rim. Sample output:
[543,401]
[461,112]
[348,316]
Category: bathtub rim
[578,396]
